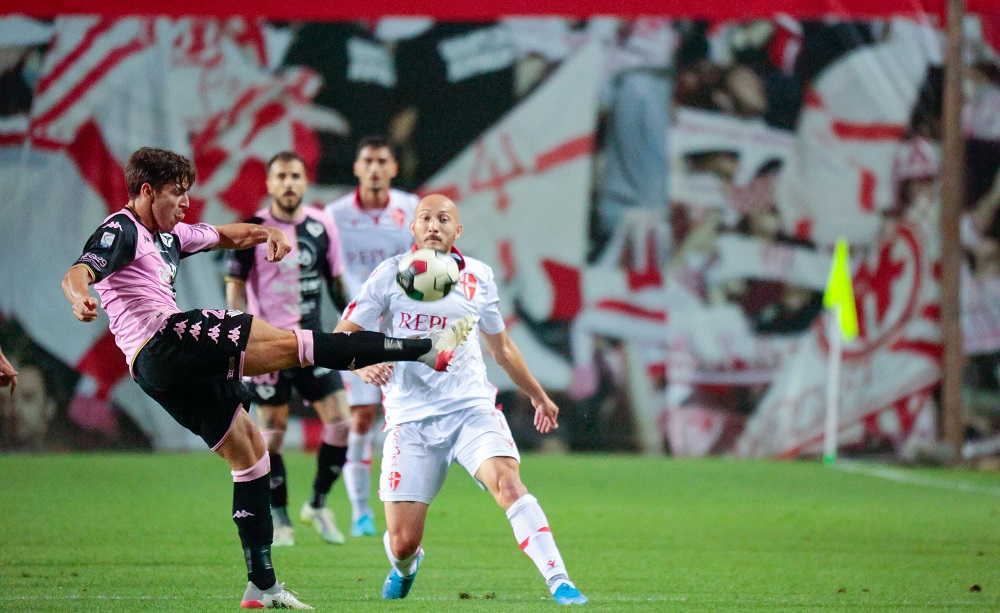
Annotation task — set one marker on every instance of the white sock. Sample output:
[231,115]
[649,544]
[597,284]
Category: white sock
[531,529]
[405,567]
[358,473]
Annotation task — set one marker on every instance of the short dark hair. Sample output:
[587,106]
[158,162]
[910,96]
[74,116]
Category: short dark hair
[375,141]
[158,167]
[286,157]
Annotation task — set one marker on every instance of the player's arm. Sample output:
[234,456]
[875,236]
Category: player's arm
[337,289]
[509,358]
[76,287]
[236,294]
[247,235]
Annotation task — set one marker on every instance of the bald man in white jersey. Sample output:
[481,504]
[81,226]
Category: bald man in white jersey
[374,224]
[435,419]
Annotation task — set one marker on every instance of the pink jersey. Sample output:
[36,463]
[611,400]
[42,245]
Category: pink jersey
[135,269]
[415,391]
[371,236]
[287,293]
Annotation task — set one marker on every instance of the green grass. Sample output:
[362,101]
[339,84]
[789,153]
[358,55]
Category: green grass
[154,533]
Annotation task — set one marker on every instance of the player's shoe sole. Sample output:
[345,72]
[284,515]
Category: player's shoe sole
[397,586]
[364,526]
[324,523]
[445,342]
[255,598]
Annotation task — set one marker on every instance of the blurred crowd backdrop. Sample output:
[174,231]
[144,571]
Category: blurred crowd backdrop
[659,199]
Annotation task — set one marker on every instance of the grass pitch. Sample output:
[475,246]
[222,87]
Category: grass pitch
[154,533]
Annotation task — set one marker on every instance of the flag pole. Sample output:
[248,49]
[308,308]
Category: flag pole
[842,320]
[832,384]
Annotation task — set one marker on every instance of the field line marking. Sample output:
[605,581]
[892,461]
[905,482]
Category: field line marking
[899,475]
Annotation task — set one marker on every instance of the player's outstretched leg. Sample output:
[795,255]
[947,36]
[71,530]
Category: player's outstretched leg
[531,529]
[404,572]
[342,351]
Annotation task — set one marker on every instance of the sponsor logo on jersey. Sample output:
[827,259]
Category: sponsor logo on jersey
[107,239]
[421,322]
[306,255]
[94,259]
[166,273]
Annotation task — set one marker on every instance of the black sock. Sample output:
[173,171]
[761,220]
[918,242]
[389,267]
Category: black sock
[329,465]
[279,488]
[252,514]
[349,351]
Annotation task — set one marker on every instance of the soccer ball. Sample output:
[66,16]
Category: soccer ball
[427,274]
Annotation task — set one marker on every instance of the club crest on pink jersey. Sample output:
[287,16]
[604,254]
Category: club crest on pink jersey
[468,285]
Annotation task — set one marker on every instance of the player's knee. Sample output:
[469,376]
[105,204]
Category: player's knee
[273,439]
[404,542]
[509,488]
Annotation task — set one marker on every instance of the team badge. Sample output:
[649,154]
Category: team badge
[167,240]
[468,284]
[315,228]
[394,479]
[107,239]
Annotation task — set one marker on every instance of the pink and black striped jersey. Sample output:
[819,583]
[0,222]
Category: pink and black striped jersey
[134,270]
[287,294]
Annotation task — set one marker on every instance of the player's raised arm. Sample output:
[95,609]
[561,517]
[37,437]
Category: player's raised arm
[76,287]
[508,357]
[247,235]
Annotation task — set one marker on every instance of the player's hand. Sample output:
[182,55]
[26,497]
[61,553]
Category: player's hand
[8,376]
[376,374]
[546,414]
[277,244]
[85,308]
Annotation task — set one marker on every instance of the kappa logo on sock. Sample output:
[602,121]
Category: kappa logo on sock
[242,514]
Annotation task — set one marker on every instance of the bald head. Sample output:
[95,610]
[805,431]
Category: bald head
[435,223]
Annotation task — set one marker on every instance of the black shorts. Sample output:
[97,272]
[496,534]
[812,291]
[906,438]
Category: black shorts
[312,382]
[193,367]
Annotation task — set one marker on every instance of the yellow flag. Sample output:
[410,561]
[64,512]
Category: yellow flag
[840,293]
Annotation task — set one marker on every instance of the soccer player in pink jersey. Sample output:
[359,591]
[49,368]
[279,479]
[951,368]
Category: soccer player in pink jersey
[434,419]
[289,296]
[374,224]
[192,362]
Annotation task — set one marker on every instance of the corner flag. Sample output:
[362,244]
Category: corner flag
[840,293]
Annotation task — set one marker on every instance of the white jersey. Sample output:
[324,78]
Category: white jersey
[415,391]
[370,236]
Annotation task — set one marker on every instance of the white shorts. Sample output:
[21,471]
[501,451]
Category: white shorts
[417,454]
[359,392]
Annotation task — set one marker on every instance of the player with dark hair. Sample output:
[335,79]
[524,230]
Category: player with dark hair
[373,224]
[433,420]
[192,362]
[288,295]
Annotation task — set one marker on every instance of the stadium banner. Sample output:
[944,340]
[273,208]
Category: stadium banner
[659,194]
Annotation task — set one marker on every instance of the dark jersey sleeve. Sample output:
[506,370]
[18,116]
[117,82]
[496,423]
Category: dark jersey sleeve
[111,247]
[239,262]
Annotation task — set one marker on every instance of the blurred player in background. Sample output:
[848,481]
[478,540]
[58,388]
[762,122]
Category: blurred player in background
[8,374]
[434,419]
[288,295]
[192,363]
[374,225]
